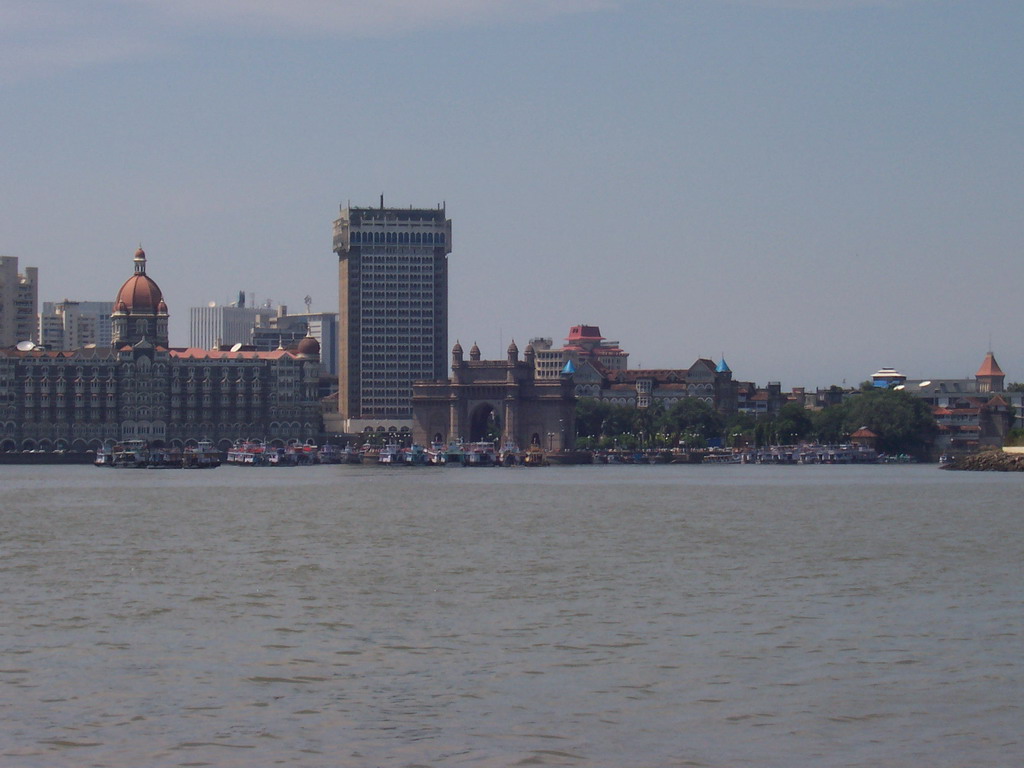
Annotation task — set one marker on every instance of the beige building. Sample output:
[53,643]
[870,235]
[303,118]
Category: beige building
[73,324]
[583,344]
[19,302]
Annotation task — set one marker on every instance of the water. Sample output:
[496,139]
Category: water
[583,616]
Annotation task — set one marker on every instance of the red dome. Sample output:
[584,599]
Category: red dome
[141,294]
[308,346]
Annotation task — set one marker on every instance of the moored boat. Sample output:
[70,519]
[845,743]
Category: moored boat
[481,454]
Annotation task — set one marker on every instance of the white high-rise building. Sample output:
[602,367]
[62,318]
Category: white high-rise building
[222,325]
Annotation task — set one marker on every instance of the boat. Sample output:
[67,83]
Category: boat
[388,454]
[481,454]
[436,455]
[130,454]
[510,455]
[200,456]
[331,454]
[414,456]
[534,457]
[248,453]
[138,454]
[454,455]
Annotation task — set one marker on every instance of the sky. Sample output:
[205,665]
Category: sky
[814,189]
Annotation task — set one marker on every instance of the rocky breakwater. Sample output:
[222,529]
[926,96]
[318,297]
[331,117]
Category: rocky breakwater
[988,461]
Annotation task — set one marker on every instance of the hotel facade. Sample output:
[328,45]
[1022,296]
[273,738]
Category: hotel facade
[141,388]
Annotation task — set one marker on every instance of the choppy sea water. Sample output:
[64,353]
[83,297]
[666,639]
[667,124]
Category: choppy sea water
[583,616]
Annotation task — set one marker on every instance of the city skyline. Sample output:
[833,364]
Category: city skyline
[814,189]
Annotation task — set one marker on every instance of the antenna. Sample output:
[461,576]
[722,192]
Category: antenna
[309,302]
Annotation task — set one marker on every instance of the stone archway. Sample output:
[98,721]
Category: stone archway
[524,408]
[484,423]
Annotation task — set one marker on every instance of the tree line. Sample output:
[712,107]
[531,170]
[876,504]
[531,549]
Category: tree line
[903,423]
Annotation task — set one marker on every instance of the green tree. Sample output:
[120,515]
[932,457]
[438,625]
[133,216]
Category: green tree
[691,416]
[829,422]
[903,423]
[591,415]
[739,430]
[792,424]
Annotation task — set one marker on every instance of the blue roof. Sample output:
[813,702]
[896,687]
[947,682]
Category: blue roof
[723,367]
[569,368]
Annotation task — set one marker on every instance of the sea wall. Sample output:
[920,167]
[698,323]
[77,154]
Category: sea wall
[988,461]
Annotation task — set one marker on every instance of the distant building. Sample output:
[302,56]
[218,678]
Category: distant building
[284,331]
[218,325]
[72,324]
[583,344]
[393,310]
[19,302]
[971,412]
[887,377]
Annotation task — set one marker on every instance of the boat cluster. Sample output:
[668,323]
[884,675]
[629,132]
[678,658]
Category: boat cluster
[138,454]
[254,453]
[810,454]
[478,454]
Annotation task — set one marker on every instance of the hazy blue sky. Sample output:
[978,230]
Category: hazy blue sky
[814,188]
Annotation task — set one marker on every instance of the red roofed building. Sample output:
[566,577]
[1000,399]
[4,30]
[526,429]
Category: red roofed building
[583,344]
[990,376]
[140,388]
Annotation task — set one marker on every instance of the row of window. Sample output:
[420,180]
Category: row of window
[395,238]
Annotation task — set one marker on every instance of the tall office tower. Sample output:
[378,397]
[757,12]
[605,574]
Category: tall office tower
[393,310]
[19,302]
[75,324]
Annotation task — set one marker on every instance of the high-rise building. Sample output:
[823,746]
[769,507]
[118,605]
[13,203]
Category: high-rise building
[219,325]
[73,324]
[19,302]
[393,310]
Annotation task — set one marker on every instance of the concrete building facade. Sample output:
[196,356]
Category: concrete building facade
[19,302]
[73,324]
[392,310]
[223,325]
